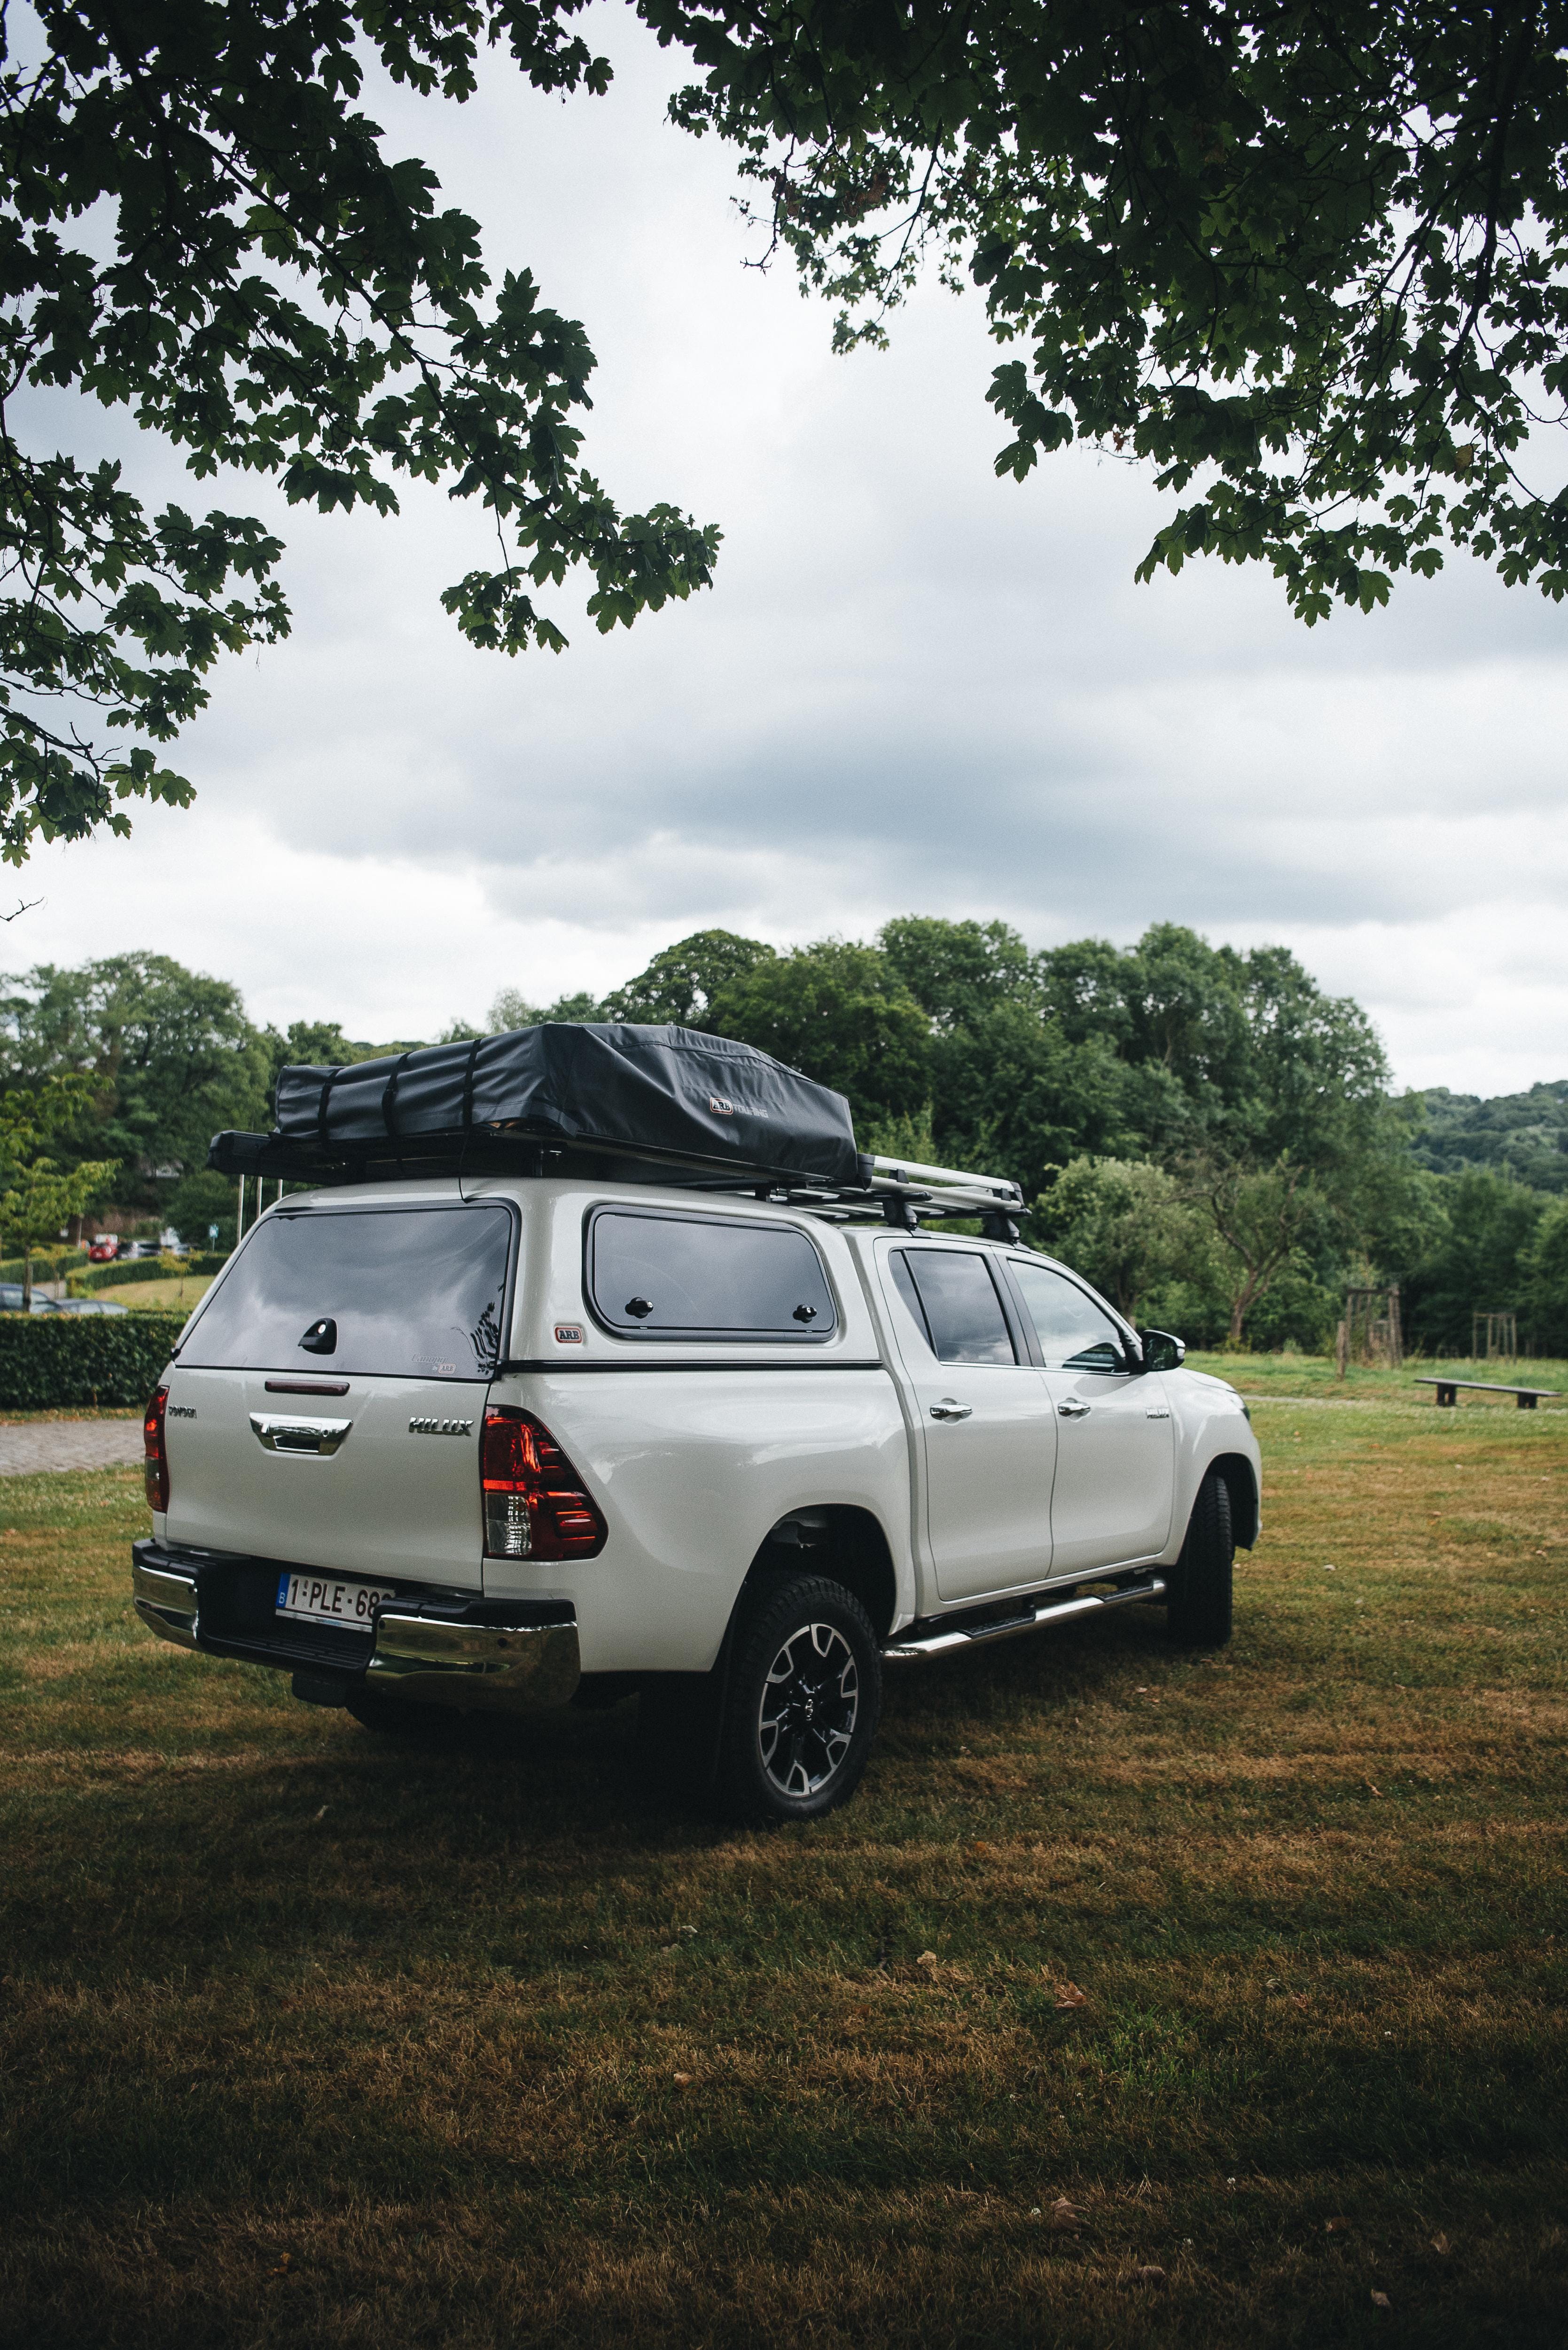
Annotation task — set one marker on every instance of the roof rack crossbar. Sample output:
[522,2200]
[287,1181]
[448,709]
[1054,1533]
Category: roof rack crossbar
[888,1173]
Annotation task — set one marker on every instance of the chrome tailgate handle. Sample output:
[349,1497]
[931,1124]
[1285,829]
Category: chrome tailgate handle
[292,1432]
[1073,1409]
[948,1410]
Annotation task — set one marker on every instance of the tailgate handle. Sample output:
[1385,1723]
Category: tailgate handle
[289,1433]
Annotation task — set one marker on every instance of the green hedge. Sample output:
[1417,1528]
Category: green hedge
[50,1360]
[147,1268]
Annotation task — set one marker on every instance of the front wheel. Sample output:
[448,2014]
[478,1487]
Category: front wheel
[803,1701]
[1199,1612]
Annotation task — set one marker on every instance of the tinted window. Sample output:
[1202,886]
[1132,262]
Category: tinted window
[412,1292]
[705,1276]
[959,1307]
[1073,1335]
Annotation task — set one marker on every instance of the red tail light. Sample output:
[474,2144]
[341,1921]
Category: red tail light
[157,1452]
[535,1504]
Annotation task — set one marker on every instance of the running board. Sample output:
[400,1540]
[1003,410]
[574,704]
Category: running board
[942,1644]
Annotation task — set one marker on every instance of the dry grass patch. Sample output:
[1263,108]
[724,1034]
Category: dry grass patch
[1140,1998]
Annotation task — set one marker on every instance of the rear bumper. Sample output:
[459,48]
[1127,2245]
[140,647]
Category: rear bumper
[443,1646]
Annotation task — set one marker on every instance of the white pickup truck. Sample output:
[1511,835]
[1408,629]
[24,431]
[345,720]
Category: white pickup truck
[452,1439]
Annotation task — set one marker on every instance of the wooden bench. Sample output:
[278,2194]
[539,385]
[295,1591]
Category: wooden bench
[1448,1391]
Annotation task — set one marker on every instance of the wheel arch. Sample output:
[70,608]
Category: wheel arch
[1240,1482]
[837,1539]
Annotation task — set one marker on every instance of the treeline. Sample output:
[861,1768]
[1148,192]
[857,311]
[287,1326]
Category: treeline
[1206,1133]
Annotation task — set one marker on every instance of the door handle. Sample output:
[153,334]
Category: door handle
[1073,1409]
[948,1410]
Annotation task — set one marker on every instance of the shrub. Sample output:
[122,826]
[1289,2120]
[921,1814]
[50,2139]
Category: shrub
[48,1361]
[145,1268]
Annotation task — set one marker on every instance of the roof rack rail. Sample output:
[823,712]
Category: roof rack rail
[892,1191]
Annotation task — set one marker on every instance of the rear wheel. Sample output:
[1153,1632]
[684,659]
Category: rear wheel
[1199,1611]
[804,1699]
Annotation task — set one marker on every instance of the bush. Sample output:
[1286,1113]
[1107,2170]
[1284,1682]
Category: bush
[49,1360]
[145,1268]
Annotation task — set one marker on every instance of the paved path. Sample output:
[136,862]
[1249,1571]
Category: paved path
[29,1445]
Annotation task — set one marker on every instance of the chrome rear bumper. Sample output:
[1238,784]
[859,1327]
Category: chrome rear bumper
[426,1647]
[515,1666]
[166,1602]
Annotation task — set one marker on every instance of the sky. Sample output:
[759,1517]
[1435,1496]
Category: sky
[912,687]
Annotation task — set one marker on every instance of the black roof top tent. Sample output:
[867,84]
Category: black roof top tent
[614,1102]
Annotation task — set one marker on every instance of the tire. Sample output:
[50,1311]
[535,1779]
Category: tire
[410,1721]
[802,1703]
[1199,1611]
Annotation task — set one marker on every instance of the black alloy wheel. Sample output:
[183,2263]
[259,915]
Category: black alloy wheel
[803,1701]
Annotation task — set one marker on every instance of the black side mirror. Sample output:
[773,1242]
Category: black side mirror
[1161,1352]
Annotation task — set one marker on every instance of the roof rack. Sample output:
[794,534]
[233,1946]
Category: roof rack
[899,1191]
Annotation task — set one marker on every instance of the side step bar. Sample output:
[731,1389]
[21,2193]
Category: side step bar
[942,1644]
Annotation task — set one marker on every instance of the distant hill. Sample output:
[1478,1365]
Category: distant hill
[1525,1135]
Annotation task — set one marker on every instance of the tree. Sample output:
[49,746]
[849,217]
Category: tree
[198,1202]
[38,1198]
[1260,1217]
[1546,1271]
[679,985]
[169,1055]
[282,297]
[1478,1259]
[1125,1225]
[836,1012]
[1311,261]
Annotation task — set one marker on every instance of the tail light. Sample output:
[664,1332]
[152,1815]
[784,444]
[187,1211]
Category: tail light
[535,1504]
[156,1450]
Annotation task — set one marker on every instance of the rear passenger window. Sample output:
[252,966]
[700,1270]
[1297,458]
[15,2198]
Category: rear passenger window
[957,1302]
[655,1275]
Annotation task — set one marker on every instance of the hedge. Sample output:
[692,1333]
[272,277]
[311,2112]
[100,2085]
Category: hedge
[51,1360]
[147,1268]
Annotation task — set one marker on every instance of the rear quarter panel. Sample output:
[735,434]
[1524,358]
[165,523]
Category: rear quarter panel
[693,1451]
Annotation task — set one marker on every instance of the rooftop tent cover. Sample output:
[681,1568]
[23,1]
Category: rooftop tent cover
[664,1089]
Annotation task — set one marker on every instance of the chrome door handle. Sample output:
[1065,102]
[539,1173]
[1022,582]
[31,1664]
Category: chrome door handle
[1073,1409]
[283,1432]
[948,1410]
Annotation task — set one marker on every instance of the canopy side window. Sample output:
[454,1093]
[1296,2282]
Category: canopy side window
[657,1274]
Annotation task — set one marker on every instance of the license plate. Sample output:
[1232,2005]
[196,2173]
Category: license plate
[322,1599]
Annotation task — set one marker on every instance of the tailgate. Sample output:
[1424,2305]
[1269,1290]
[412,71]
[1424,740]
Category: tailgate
[327,1405]
[395,1493]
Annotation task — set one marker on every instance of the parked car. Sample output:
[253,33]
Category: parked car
[518,1438]
[104,1250]
[11,1300]
[88,1306]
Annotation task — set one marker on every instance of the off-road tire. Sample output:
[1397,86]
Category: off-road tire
[1198,1613]
[802,1705]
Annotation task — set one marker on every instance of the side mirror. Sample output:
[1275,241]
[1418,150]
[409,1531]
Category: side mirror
[1161,1352]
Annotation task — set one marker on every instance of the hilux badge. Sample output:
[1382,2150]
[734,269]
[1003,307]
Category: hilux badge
[441,1427]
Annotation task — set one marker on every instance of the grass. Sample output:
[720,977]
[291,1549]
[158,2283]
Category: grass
[182,1289]
[1314,1376]
[1140,1998]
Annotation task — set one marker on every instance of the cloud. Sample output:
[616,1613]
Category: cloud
[912,687]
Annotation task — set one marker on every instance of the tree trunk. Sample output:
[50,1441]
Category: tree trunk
[26,1280]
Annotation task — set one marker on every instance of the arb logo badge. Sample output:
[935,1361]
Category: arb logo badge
[721,1107]
[569,1334]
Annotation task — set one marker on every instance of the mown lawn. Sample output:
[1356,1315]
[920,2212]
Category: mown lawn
[1140,1998]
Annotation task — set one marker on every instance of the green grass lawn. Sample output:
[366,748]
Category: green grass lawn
[1139,1998]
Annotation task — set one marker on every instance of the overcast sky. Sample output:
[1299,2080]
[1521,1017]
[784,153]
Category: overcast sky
[913,688]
